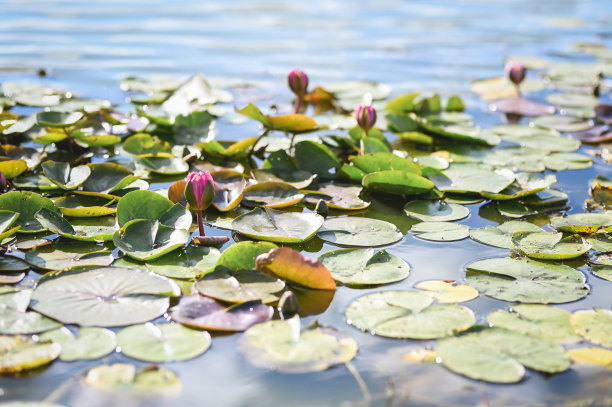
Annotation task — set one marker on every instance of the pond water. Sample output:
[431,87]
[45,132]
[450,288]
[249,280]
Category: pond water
[438,46]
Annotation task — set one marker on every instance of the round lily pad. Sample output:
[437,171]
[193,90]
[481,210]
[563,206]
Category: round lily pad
[89,343]
[286,347]
[521,106]
[18,354]
[357,231]
[81,206]
[435,211]
[548,245]
[600,241]
[107,178]
[106,296]
[242,255]
[562,123]
[448,291]
[16,320]
[276,226]
[397,182]
[26,204]
[187,263]
[364,267]
[121,376]
[583,222]
[63,256]
[56,223]
[501,236]
[152,206]
[594,325]
[526,280]
[467,178]
[58,119]
[297,178]
[164,165]
[272,194]
[538,320]
[205,313]
[240,286]
[65,177]
[229,189]
[440,231]
[341,196]
[162,342]
[500,356]
[595,356]
[148,240]
[407,314]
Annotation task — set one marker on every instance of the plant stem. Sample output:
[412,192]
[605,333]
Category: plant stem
[263,134]
[200,223]
[298,105]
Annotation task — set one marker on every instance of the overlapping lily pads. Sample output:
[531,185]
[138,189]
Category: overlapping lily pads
[501,236]
[594,325]
[355,231]
[19,354]
[276,226]
[549,246]
[435,211]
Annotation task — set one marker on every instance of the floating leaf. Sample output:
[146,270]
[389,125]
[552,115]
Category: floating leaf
[595,356]
[466,178]
[397,182]
[563,123]
[498,355]
[26,204]
[162,342]
[440,231]
[89,343]
[583,222]
[284,346]
[354,231]
[294,123]
[201,312]
[408,315]
[89,233]
[16,320]
[58,119]
[297,178]
[18,354]
[600,241]
[164,165]
[106,178]
[229,189]
[521,106]
[272,194]
[526,280]
[542,321]
[549,246]
[288,264]
[316,158]
[364,267]
[148,380]
[448,291]
[277,226]
[340,196]
[501,236]
[594,325]
[188,263]
[63,256]
[81,206]
[377,162]
[65,177]
[13,168]
[241,255]
[525,184]
[240,286]
[147,240]
[7,218]
[429,210]
[106,296]
[152,206]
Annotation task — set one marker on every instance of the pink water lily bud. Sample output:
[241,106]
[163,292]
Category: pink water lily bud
[298,82]
[200,190]
[366,117]
[515,71]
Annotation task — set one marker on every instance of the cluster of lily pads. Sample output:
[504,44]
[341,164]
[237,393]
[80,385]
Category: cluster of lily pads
[95,203]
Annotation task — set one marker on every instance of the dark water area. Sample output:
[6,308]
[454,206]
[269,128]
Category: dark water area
[436,46]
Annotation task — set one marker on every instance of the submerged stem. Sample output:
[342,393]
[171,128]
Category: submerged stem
[367,397]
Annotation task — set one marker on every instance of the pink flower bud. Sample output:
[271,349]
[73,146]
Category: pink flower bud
[366,117]
[515,71]
[200,190]
[298,82]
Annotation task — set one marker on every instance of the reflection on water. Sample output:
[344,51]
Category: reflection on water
[437,45]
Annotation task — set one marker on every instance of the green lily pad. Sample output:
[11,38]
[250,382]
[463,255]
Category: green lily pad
[88,344]
[164,165]
[26,204]
[397,182]
[229,189]
[524,185]
[106,296]
[563,123]
[448,291]
[12,264]
[87,233]
[339,196]
[272,194]
[429,210]
[501,236]
[407,315]
[152,206]
[63,256]
[364,267]
[16,320]
[99,140]
[500,356]
[188,263]
[162,342]
[549,246]
[294,123]
[276,226]
[19,354]
[594,325]
[65,177]
[600,241]
[35,181]
[106,178]
[542,321]
[604,272]
[242,255]
[240,286]
[7,218]
[377,162]
[355,231]
[297,178]
[205,313]
[316,158]
[144,143]
[144,239]
[286,347]
[121,376]
[526,280]
[58,119]
[82,206]
[583,222]
[13,168]
[466,178]
[440,231]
